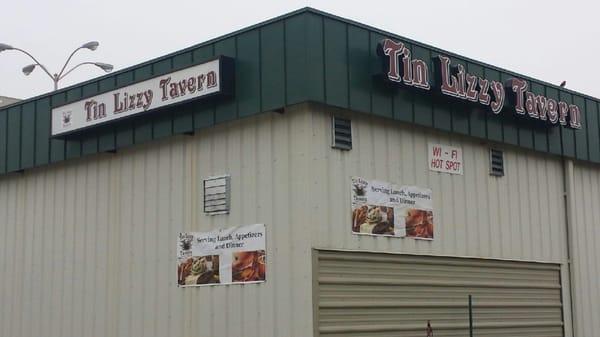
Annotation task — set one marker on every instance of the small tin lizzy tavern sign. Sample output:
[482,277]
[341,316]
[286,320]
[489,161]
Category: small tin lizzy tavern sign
[453,80]
[200,81]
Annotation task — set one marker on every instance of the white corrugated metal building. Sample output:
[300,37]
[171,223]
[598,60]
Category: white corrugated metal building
[92,207]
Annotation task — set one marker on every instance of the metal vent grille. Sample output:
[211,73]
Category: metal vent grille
[496,163]
[342,133]
[216,195]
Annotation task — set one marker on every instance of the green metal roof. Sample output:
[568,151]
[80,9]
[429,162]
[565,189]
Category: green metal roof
[306,55]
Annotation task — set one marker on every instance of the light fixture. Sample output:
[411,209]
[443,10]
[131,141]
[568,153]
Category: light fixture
[28,69]
[4,46]
[92,45]
[104,66]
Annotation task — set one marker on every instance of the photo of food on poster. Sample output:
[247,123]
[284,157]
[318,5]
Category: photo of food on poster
[225,256]
[385,209]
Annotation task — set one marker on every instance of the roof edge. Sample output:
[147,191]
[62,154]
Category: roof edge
[445,52]
[283,17]
[166,56]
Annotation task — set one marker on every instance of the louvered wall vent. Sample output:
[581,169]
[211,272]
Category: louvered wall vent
[342,133]
[216,195]
[496,162]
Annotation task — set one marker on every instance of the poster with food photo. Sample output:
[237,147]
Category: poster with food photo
[248,266]
[224,256]
[385,209]
[197,270]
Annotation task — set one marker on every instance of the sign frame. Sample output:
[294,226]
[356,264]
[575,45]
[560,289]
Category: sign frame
[399,68]
[225,80]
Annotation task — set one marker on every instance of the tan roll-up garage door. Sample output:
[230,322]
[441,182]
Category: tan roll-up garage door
[360,294]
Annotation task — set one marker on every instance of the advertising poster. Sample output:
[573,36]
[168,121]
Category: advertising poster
[385,209]
[225,256]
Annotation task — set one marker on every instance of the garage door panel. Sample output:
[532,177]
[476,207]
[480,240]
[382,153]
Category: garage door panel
[331,293]
[375,294]
[442,314]
[418,273]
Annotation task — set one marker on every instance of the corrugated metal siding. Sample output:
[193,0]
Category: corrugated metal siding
[585,231]
[519,216]
[87,248]
[303,56]
[375,294]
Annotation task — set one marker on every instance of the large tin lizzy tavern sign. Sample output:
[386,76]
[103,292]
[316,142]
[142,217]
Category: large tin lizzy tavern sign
[200,81]
[400,67]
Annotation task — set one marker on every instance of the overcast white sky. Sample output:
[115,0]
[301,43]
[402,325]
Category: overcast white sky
[552,40]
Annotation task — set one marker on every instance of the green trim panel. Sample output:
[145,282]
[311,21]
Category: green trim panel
[303,56]
[3,139]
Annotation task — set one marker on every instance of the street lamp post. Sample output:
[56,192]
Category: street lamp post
[63,72]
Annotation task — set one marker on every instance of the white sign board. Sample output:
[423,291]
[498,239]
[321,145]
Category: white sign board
[444,158]
[201,80]
[222,256]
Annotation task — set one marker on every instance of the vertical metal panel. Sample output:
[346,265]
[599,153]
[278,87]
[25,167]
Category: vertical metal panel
[87,248]
[13,144]
[273,65]
[423,111]
[359,76]
[204,114]
[554,133]
[247,91]
[567,135]
[27,135]
[227,110]
[183,118]
[494,122]
[107,137]
[162,124]
[291,70]
[142,128]
[403,102]
[540,135]
[585,248]
[73,145]
[89,142]
[477,114]
[581,136]
[315,65]
[382,92]
[526,134]
[510,122]
[42,130]
[592,126]
[335,42]
[442,109]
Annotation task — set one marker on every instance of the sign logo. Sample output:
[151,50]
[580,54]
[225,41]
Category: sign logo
[66,118]
[454,81]
[210,79]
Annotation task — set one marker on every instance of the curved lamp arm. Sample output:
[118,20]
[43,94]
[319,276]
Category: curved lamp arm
[35,60]
[59,75]
[92,45]
[106,67]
